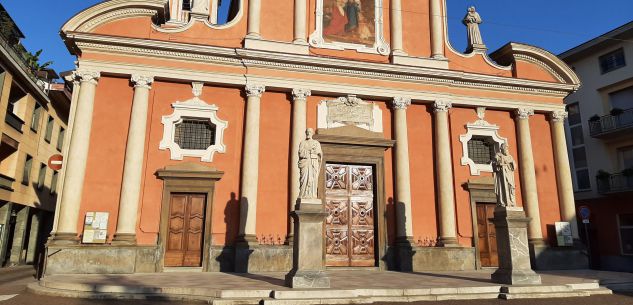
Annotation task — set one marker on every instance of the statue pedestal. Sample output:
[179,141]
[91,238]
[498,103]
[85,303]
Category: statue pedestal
[513,249]
[308,268]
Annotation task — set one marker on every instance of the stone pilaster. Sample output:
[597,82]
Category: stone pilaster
[528,176]
[70,203]
[512,247]
[299,101]
[254,16]
[133,164]
[444,163]
[563,173]
[437,29]
[396,27]
[300,22]
[250,165]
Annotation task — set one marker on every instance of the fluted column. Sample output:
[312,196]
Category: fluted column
[300,22]
[299,125]
[444,163]
[250,164]
[563,173]
[528,176]
[254,13]
[133,166]
[404,223]
[396,27]
[76,159]
[437,29]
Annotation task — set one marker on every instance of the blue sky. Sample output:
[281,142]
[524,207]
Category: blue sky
[555,25]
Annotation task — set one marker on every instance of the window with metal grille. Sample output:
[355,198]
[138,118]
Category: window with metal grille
[481,149]
[195,134]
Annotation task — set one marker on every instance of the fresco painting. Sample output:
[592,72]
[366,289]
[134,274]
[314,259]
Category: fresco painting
[349,21]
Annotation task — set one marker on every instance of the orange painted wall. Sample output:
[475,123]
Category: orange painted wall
[531,71]
[415,23]
[274,145]
[545,174]
[277,21]
[422,168]
[459,117]
[104,169]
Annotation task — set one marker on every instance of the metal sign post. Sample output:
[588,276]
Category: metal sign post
[585,213]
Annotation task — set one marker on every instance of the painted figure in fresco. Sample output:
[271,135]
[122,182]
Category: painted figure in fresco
[352,11]
[334,19]
[310,156]
[472,20]
[504,166]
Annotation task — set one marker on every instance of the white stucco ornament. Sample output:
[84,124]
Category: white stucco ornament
[479,128]
[349,110]
[197,109]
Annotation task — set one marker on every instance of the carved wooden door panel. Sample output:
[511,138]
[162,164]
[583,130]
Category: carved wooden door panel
[487,235]
[186,230]
[349,226]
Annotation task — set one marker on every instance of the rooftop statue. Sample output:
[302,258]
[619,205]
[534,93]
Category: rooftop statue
[472,20]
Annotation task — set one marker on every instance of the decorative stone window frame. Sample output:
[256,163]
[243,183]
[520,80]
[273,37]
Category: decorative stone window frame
[484,129]
[194,108]
[380,45]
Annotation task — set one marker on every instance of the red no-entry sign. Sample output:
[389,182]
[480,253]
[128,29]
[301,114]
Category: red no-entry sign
[55,162]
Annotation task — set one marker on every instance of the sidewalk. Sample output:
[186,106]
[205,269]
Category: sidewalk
[348,287]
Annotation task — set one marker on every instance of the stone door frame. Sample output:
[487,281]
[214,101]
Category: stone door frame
[482,190]
[189,178]
[353,145]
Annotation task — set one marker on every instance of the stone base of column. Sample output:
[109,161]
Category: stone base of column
[308,265]
[244,248]
[449,242]
[513,249]
[61,238]
[127,239]
[404,253]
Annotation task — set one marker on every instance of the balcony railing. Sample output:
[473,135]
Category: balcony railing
[611,123]
[6,182]
[14,121]
[615,183]
[19,56]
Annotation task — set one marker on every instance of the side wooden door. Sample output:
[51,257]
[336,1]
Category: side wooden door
[487,235]
[186,230]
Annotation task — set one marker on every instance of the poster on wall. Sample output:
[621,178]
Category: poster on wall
[564,237]
[349,21]
[95,228]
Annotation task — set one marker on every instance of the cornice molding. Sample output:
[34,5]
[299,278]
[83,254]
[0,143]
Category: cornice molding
[303,63]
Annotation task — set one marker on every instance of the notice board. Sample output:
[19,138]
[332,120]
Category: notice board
[95,228]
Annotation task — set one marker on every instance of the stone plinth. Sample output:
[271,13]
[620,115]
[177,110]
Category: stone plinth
[308,268]
[513,249]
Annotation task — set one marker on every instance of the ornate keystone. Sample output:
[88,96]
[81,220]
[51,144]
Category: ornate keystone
[142,81]
[524,113]
[401,102]
[442,105]
[255,90]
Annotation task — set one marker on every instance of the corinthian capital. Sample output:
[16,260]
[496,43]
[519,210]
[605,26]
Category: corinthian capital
[401,102]
[142,81]
[524,113]
[559,116]
[255,90]
[72,77]
[442,106]
[301,93]
[87,76]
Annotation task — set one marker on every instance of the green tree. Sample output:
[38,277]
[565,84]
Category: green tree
[33,61]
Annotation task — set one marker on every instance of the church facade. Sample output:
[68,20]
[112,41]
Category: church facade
[185,133]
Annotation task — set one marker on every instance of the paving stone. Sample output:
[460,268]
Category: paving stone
[482,289]
[535,289]
[314,294]
[380,292]
[234,294]
[417,292]
[474,296]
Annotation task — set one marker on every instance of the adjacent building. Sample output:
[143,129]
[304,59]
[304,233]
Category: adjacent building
[33,111]
[600,142]
[186,130]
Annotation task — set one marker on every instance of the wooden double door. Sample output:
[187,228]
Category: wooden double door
[350,223]
[487,236]
[185,235]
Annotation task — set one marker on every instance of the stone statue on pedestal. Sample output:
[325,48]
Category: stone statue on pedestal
[310,156]
[504,166]
[472,20]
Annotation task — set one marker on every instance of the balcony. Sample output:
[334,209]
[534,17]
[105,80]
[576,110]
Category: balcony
[616,124]
[14,121]
[614,183]
[6,182]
